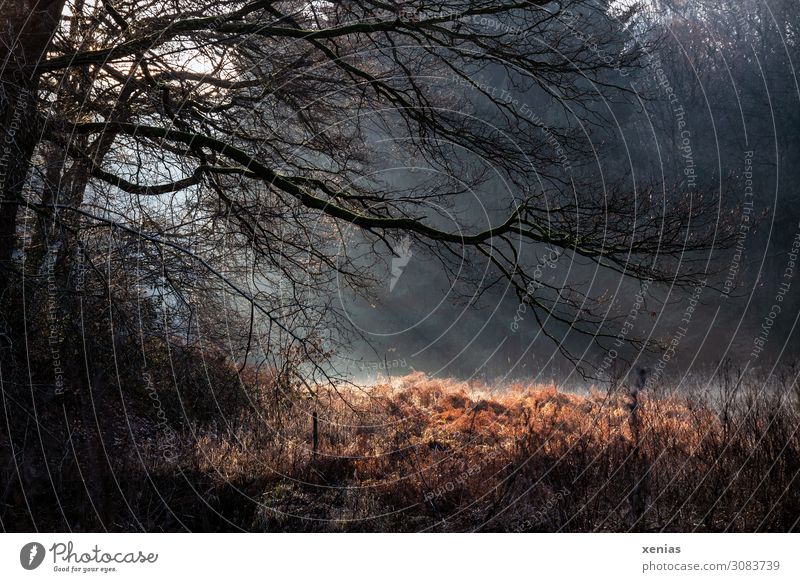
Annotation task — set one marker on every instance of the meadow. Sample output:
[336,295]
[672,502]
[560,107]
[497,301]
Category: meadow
[422,454]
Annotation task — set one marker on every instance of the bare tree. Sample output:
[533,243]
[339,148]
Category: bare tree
[221,147]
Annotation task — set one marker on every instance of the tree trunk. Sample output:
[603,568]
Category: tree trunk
[26,29]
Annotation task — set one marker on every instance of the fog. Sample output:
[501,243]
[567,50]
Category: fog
[714,111]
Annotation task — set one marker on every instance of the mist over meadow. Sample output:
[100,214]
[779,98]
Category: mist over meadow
[712,110]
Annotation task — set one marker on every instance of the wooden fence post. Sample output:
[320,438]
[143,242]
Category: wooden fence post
[314,432]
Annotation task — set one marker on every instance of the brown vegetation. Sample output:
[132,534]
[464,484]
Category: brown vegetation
[208,449]
[421,454]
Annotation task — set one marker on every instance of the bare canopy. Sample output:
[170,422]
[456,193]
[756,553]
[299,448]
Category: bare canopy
[220,146]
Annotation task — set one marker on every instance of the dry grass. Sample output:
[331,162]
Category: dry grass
[414,454]
[423,454]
